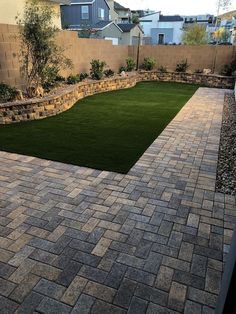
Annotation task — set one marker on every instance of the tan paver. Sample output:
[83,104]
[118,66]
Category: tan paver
[101,242]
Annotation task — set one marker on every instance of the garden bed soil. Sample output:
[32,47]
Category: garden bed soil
[226,172]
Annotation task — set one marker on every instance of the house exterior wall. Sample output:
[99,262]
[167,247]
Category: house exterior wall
[177,30]
[151,26]
[95,6]
[72,15]
[149,22]
[111,31]
[168,35]
[113,15]
[9,9]
[124,16]
[131,38]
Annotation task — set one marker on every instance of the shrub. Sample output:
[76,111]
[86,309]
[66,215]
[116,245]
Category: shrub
[148,64]
[73,79]
[229,69]
[39,51]
[122,69]
[182,66]
[53,77]
[130,64]
[198,71]
[162,69]
[109,73]
[7,93]
[83,76]
[97,69]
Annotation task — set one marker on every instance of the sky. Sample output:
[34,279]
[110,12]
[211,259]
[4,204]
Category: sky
[183,7]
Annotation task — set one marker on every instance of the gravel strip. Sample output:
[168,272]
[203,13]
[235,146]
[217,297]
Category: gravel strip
[226,172]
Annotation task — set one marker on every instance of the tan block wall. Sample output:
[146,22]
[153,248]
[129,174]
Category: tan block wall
[199,57]
[82,51]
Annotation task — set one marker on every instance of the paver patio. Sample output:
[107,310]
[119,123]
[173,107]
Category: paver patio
[79,240]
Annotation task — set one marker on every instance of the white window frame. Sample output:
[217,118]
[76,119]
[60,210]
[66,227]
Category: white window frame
[85,12]
[101,14]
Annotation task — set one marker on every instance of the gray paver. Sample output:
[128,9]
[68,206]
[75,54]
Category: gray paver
[88,241]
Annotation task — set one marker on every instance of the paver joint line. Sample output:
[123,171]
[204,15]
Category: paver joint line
[79,240]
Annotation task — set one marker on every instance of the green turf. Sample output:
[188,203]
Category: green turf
[108,131]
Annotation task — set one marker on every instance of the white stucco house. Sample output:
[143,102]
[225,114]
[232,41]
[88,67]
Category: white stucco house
[162,29]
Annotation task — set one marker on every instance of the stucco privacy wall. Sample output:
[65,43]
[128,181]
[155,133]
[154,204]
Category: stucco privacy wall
[199,57]
[82,51]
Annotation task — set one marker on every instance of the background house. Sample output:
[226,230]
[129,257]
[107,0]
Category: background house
[131,35]
[124,14]
[91,17]
[9,9]
[82,14]
[162,29]
[113,15]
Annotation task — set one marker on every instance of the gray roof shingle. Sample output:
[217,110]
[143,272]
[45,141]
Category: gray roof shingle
[171,18]
[126,27]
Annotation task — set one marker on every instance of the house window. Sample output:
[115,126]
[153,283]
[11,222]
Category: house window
[101,14]
[85,12]
[161,38]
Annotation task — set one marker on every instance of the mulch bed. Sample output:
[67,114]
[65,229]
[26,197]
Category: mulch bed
[226,172]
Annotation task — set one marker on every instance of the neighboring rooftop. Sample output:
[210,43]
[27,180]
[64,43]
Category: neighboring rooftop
[118,6]
[170,18]
[126,27]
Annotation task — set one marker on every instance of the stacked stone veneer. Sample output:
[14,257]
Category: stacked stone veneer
[35,109]
[196,78]
[63,100]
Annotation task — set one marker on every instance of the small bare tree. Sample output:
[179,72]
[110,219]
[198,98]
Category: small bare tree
[41,56]
[222,5]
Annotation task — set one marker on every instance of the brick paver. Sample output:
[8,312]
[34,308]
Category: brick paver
[78,240]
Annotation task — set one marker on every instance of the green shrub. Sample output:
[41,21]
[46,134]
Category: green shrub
[52,77]
[162,69]
[122,69]
[229,69]
[130,64]
[83,76]
[198,71]
[148,64]
[40,53]
[7,93]
[109,73]
[182,66]
[97,69]
[73,79]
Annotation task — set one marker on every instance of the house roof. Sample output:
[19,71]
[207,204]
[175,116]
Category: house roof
[61,1]
[118,6]
[104,24]
[170,18]
[74,2]
[126,27]
[82,1]
[154,13]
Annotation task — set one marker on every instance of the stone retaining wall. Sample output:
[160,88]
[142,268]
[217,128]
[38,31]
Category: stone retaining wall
[63,100]
[217,81]
[35,109]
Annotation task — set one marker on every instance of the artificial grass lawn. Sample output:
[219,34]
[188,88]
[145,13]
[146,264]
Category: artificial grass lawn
[108,131]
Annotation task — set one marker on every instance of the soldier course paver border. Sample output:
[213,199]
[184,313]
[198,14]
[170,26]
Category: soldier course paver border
[78,240]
